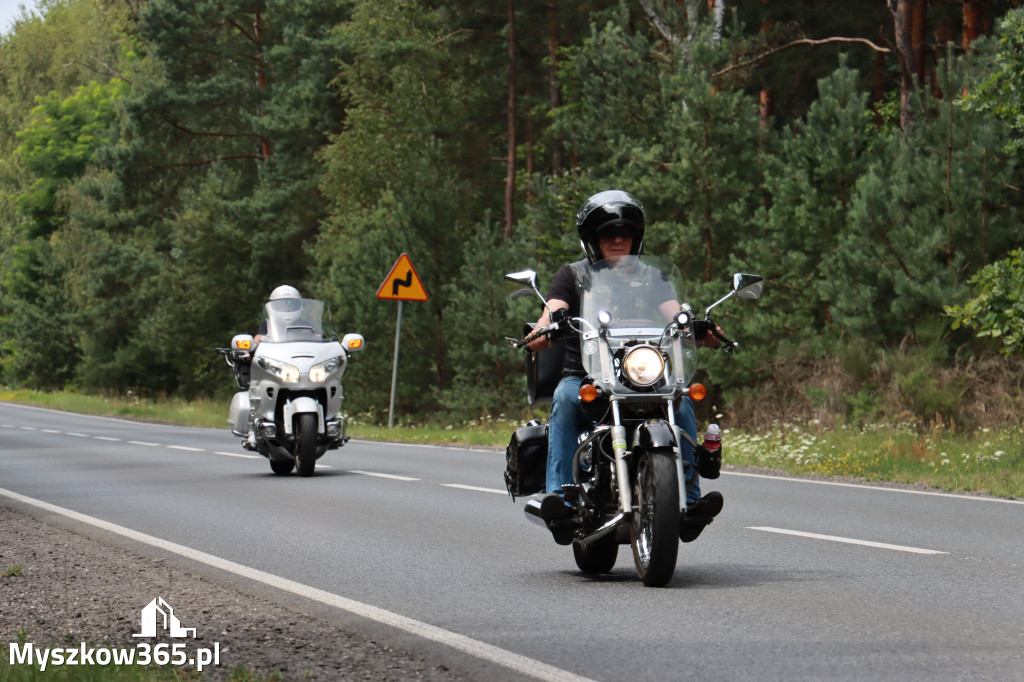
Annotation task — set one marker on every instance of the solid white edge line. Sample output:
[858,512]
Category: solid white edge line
[482,650]
[849,541]
[475,488]
[793,479]
[380,475]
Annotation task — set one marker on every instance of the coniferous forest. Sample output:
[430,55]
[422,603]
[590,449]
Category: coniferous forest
[164,164]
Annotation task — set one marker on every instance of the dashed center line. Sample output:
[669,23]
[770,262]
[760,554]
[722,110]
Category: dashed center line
[849,541]
[238,454]
[475,488]
[185,448]
[379,475]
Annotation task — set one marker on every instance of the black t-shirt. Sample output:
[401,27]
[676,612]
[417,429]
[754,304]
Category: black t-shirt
[651,290]
[565,288]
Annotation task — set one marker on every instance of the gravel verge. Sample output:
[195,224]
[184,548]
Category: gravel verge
[68,588]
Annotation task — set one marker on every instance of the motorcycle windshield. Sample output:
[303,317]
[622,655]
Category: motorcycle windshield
[633,300]
[297,319]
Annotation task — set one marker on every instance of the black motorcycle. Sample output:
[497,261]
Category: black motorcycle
[628,475]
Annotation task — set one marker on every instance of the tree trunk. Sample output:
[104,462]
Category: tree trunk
[903,21]
[510,168]
[973,17]
[919,43]
[554,91]
[261,76]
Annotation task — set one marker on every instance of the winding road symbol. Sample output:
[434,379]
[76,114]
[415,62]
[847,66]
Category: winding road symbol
[402,283]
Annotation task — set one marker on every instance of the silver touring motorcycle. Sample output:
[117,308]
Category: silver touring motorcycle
[289,408]
[628,475]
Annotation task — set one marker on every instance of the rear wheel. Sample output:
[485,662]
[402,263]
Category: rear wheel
[655,529]
[305,444]
[282,467]
[597,556]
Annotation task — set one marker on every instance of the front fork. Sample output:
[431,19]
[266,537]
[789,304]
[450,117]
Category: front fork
[680,464]
[619,449]
[621,466]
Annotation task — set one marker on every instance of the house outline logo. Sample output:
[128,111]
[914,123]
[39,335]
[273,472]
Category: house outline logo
[159,610]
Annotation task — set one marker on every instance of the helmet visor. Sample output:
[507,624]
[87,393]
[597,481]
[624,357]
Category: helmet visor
[286,305]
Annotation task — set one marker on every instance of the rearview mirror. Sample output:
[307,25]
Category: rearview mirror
[747,286]
[528,281]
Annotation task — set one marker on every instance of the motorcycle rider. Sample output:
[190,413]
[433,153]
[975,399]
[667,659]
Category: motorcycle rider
[610,225]
[287,302]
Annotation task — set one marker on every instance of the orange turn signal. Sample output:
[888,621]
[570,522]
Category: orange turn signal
[244,344]
[698,392]
[355,344]
[588,393]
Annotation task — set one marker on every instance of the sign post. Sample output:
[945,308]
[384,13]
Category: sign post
[402,284]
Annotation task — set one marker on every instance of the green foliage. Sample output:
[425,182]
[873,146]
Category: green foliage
[930,207]
[998,95]
[175,164]
[997,308]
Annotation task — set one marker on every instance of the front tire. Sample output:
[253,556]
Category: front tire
[598,556]
[305,444]
[655,528]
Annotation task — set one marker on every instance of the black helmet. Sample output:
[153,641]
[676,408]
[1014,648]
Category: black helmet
[611,208]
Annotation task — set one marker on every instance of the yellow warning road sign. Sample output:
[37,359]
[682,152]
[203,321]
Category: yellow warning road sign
[402,283]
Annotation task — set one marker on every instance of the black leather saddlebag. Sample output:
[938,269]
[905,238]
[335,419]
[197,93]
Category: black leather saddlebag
[526,460]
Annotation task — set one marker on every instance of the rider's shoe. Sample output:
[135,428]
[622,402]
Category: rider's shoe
[557,515]
[699,514]
[553,508]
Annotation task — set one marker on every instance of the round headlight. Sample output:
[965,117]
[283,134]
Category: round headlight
[643,365]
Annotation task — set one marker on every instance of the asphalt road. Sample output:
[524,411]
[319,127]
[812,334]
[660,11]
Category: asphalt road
[795,580]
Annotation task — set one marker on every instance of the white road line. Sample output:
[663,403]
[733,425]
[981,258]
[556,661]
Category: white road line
[50,431]
[186,449]
[849,541]
[379,475]
[473,487]
[28,428]
[791,479]
[142,442]
[487,652]
[76,435]
[238,454]
[113,440]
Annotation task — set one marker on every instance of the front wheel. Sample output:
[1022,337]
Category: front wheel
[305,444]
[655,529]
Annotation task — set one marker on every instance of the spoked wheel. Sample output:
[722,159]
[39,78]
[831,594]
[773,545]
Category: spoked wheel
[655,530]
[305,445]
[282,467]
[598,556]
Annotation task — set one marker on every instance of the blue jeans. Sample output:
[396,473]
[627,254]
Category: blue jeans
[568,421]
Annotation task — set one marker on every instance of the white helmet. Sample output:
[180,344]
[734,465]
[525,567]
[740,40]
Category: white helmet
[286,302]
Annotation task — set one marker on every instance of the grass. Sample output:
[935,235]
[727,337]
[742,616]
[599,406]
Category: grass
[980,460]
[12,571]
[983,460]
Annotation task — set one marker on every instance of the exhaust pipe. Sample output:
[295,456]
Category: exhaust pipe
[532,512]
[610,525]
